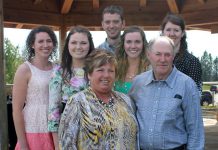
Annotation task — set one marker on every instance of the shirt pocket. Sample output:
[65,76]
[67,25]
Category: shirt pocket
[170,107]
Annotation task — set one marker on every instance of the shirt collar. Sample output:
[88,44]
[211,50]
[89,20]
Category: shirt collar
[111,47]
[169,81]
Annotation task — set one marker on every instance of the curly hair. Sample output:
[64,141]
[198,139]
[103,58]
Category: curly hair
[177,20]
[66,60]
[123,63]
[30,52]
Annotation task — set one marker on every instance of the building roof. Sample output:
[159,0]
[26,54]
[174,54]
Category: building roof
[198,14]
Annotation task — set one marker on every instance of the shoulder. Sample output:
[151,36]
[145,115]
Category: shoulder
[23,70]
[142,77]
[57,67]
[57,71]
[192,58]
[125,98]
[102,45]
[184,79]
[77,98]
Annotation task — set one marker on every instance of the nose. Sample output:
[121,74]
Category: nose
[132,45]
[162,58]
[111,24]
[171,33]
[106,73]
[45,44]
[78,45]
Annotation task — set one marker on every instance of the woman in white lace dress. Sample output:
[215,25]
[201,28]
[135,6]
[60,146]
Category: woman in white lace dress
[30,91]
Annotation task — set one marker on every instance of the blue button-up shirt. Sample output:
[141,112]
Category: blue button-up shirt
[168,111]
[106,46]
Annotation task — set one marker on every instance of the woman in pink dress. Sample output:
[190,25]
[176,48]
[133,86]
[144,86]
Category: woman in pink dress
[30,91]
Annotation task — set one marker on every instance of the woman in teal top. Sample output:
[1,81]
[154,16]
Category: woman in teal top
[131,56]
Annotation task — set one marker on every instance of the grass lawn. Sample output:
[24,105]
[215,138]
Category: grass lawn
[206,87]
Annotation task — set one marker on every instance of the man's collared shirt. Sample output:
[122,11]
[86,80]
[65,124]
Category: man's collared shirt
[168,111]
[106,46]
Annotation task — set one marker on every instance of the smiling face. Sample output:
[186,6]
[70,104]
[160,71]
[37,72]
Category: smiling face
[43,45]
[102,79]
[161,58]
[112,24]
[174,32]
[78,45]
[133,44]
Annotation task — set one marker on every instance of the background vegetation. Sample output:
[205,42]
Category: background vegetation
[12,60]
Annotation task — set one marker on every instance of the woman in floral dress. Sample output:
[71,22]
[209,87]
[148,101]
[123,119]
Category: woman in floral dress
[68,78]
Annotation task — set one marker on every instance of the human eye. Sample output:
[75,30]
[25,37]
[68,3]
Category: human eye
[49,41]
[157,54]
[99,69]
[40,41]
[111,70]
[167,54]
[138,41]
[73,42]
[116,21]
[107,22]
[84,43]
[128,41]
[168,29]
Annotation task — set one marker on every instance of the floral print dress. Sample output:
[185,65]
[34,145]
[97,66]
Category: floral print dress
[60,90]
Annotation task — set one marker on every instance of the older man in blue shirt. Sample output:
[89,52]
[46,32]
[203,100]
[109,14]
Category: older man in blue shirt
[167,103]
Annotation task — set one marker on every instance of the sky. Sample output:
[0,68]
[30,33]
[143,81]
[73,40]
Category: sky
[198,41]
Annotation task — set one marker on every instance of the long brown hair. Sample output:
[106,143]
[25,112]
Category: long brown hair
[123,63]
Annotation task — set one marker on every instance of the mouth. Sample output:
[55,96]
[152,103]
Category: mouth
[133,51]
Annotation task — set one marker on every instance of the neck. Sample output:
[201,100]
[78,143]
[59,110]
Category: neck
[133,62]
[132,69]
[133,65]
[162,77]
[105,97]
[41,63]
[78,63]
[113,41]
[177,47]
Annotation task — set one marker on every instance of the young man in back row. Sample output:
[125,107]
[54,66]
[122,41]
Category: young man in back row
[113,23]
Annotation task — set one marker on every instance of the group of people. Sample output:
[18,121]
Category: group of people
[125,94]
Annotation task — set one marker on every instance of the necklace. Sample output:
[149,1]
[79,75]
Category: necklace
[109,104]
[130,76]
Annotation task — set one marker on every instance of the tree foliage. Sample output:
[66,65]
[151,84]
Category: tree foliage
[12,60]
[215,69]
[209,67]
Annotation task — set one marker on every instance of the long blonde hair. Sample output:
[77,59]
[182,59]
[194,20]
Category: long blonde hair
[123,63]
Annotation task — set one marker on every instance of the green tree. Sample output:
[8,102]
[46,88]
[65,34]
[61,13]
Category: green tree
[207,66]
[12,60]
[215,69]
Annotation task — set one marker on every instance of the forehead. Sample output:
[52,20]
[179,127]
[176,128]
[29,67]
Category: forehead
[171,25]
[79,35]
[162,46]
[109,16]
[42,35]
[133,35]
